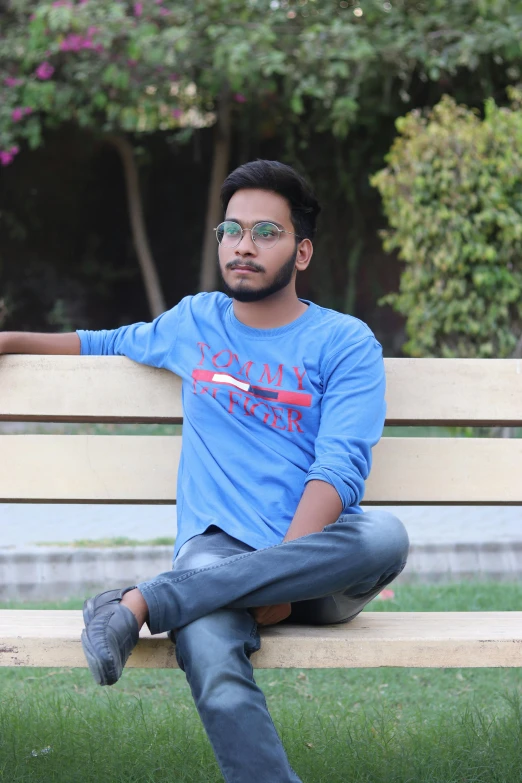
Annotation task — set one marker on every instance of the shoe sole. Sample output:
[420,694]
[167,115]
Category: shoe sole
[92,661]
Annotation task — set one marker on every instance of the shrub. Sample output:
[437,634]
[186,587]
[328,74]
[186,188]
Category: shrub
[452,193]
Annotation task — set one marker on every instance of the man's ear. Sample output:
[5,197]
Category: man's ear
[305,251]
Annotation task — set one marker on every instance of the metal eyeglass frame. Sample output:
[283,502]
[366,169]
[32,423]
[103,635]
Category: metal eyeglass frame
[262,222]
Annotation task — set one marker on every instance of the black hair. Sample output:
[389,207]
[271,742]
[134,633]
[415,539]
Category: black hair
[282,179]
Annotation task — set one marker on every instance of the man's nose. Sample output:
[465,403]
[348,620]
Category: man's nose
[247,245]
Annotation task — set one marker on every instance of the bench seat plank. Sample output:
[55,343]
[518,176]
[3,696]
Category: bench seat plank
[115,389]
[405,639]
[143,469]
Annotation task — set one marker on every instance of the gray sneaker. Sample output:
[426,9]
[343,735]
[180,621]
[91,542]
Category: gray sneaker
[110,635]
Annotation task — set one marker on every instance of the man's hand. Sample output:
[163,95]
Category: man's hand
[270,615]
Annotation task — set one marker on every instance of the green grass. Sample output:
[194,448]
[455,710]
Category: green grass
[338,726]
[107,543]
[37,428]
[449,597]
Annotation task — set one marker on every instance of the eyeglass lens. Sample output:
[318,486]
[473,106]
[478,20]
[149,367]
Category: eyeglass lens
[229,234]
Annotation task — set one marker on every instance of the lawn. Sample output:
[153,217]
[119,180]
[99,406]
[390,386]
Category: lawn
[339,726]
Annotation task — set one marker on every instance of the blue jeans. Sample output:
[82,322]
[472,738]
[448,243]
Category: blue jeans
[328,577]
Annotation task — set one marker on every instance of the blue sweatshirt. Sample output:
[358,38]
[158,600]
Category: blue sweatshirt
[265,410]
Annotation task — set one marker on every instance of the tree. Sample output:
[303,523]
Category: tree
[453,198]
[295,68]
[96,64]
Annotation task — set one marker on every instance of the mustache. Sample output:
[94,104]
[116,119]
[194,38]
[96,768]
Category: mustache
[249,265]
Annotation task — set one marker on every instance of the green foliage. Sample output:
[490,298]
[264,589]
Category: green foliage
[145,66]
[316,82]
[452,193]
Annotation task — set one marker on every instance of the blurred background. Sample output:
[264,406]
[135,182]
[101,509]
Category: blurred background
[119,120]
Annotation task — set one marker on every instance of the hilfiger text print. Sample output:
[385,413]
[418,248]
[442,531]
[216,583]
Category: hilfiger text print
[252,388]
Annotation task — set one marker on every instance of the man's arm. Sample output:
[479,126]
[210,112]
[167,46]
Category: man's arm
[320,505]
[36,343]
[352,419]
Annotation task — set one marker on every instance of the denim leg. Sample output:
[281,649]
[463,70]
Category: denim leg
[354,556]
[341,606]
[214,652]
[337,608]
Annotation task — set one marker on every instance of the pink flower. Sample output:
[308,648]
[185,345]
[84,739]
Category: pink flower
[72,43]
[19,112]
[132,63]
[12,82]
[239,97]
[138,9]
[177,113]
[92,31]
[164,12]
[386,595]
[44,71]
[75,43]
[59,3]
[7,156]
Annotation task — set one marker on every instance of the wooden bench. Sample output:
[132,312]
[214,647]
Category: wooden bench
[142,469]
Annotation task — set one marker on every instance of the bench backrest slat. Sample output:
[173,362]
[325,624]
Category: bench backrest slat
[143,469]
[114,389]
[87,389]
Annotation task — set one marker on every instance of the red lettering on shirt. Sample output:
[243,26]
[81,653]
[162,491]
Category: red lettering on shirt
[227,362]
[245,406]
[292,421]
[201,346]
[277,418]
[278,374]
[257,405]
[299,377]
[232,401]
[246,367]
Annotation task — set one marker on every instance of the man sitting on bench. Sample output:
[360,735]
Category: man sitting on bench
[283,401]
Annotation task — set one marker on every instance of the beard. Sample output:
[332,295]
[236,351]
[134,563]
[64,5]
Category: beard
[281,280]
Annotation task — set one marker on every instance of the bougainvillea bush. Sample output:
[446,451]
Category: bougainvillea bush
[141,66]
[452,193]
[105,66]
[324,73]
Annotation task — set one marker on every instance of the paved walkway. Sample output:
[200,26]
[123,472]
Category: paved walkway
[26,524]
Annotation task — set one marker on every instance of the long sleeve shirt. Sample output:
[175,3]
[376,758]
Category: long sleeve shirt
[265,410]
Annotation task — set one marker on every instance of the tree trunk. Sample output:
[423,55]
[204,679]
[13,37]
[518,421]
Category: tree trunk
[354,257]
[209,273]
[146,261]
